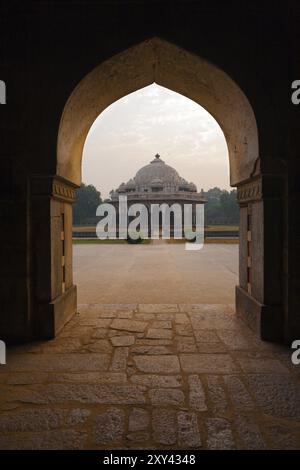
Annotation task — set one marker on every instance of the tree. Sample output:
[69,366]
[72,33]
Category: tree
[221,207]
[85,206]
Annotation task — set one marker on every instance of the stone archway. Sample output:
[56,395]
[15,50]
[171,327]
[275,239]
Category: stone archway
[156,60]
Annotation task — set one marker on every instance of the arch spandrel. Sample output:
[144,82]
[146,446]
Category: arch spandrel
[156,60]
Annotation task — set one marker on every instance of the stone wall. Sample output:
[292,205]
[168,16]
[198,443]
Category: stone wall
[47,49]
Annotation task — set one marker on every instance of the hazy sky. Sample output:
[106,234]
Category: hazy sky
[128,134]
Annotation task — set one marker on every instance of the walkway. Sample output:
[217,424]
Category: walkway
[156,273]
[162,376]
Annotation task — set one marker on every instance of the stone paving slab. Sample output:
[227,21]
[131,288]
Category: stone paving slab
[208,364]
[151,376]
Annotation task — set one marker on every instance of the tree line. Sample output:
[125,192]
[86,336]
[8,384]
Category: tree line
[221,207]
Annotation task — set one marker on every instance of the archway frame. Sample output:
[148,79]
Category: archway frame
[156,60]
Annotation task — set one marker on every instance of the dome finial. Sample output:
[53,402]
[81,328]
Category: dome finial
[157,155]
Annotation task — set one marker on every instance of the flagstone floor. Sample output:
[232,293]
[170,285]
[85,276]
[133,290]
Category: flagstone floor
[160,376]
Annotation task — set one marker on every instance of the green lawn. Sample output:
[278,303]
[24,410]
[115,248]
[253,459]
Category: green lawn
[221,228]
[96,241]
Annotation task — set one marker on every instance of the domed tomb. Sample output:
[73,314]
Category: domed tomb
[156,177]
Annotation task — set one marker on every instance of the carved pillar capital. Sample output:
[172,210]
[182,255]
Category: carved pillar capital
[261,188]
[251,191]
[54,187]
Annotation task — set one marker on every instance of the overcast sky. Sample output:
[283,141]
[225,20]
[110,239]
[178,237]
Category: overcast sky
[128,134]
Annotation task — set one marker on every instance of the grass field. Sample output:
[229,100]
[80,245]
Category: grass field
[208,228]
[96,241]
[221,228]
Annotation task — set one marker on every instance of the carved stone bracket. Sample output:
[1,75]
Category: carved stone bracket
[264,187]
[54,187]
[251,191]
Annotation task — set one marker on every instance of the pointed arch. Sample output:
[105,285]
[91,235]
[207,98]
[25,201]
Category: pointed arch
[156,60]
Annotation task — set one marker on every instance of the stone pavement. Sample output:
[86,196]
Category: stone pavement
[162,376]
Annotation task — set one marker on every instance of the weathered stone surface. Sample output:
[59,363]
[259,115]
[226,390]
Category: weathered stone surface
[145,316]
[129,325]
[159,333]
[123,340]
[47,389]
[197,399]
[76,331]
[83,308]
[184,329]
[166,396]
[67,439]
[161,324]
[277,395]
[125,315]
[214,321]
[157,381]
[158,308]
[283,436]
[138,436]
[138,420]
[62,345]
[164,426]
[95,322]
[58,362]
[217,395]
[249,433]
[211,348]
[100,345]
[119,361]
[119,307]
[235,341]
[219,434]
[82,393]
[238,393]
[207,363]
[102,309]
[188,431]
[166,364]
[208,310]
[89,377]
[206,336]
[185,344]
[107,314]
[111,333]
[261,365]
[153,342]
[100,333]
[165,316]
[24,378]
[109,426]
[151,350]
[41,419]
[181,318]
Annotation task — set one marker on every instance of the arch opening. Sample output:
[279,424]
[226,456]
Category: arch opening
[120,157]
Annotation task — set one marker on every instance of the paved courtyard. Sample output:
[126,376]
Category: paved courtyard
[165,376]
[156,273]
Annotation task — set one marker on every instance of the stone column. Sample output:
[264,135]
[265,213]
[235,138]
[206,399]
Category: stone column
[54,295]
[259,294]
